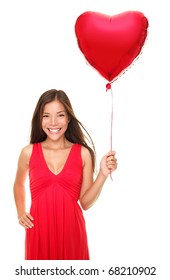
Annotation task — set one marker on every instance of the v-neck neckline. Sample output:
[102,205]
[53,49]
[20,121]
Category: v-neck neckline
[46,165]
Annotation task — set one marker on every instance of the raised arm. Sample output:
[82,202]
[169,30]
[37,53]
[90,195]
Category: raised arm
[91,190]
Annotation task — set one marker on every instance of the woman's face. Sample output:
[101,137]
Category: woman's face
[54,120]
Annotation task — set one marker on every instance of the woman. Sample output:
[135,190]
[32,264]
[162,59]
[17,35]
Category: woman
[60,164]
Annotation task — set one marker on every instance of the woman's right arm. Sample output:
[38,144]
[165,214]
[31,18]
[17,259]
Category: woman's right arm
[19,187]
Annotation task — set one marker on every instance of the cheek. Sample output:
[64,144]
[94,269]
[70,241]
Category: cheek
[66,121]
[43,123]
[66,124]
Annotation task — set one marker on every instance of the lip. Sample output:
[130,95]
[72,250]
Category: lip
[54,130]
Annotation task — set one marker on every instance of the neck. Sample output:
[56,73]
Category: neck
[59,144]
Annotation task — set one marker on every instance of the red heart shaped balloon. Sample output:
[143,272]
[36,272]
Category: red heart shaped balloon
[111,43]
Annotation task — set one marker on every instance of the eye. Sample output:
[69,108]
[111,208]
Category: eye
[61,115]
[45,116]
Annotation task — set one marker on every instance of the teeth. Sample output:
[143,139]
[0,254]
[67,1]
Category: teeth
[54,130]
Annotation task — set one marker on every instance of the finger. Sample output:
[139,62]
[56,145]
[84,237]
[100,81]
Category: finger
[29,216]
[25,224]
[25,221]
[111,159]
[28,222]
[112,164]
[22,223]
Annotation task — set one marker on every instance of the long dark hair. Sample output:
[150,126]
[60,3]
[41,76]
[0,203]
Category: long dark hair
[74,132]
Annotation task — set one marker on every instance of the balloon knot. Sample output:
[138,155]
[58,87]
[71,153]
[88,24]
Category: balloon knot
[108,86]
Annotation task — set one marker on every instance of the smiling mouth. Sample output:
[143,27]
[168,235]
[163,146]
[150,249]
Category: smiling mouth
[54,131]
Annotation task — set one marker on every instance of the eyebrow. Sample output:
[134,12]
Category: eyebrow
[61,112]
[57,112]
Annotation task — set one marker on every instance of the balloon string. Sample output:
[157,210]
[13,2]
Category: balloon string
[111,131]
[108,86]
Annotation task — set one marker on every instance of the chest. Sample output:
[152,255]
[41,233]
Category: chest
[56,160]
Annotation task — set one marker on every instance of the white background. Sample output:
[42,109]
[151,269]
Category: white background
[129,224]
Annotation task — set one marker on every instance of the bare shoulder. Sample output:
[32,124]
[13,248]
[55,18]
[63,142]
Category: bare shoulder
[23,163]
[27,150]
[26,153]
[86,156]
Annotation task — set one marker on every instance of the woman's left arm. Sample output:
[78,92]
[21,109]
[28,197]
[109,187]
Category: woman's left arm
[90,189]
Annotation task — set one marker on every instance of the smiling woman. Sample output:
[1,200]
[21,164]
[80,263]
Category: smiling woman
[60,164]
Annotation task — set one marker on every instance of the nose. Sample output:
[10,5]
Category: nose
[53,120]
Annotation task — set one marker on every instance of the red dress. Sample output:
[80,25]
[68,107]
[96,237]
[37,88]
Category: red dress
[59,231]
